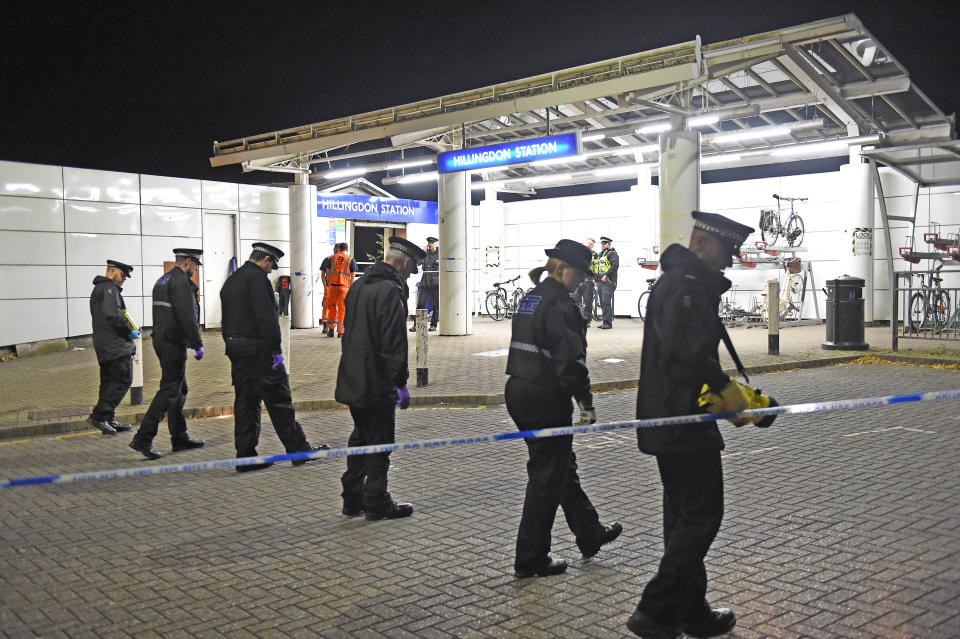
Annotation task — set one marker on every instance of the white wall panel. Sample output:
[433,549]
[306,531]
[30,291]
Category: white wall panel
[80,280]
[94,249]
[100,186]
[30,214]
[32,320]
[220,195]
[158,249]
[26,282]
[172,221]
[264,227]
[31,180]
[264,199]
[169,191]
[24,247]
[79,321]
[101,217]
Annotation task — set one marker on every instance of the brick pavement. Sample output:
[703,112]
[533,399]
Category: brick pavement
[837,525]
[62,386]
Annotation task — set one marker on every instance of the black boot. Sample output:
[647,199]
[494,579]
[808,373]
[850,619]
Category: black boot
[393,510]
[308,449]
[649,628]
[147,450]
[607,534]
[185,442]
[120,428]
[552,567]
[104,427]
[718,621]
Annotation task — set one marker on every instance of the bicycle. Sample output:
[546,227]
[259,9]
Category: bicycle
[929,304]
[772,226]
[644,298]
[790,302]
[497,305]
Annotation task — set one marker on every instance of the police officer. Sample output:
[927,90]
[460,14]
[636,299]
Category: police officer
[176,327]
[372,377]
[251,332]
[583,296]
[605,271]
[679,359]
[547,365]
[113,340]
[429,293]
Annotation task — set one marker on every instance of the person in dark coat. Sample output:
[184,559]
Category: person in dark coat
[429,294]
[372,377]
[680,356]
[114,341]
[608,264]
[251,333]
[583,296]
[547,365]
[176,327]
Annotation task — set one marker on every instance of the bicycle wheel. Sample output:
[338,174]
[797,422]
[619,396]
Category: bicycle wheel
[794,233]
[769,227]
[940,310]
[642,305]
[918,313]
[496,305]
[514,301]
[763,312]
[794,293]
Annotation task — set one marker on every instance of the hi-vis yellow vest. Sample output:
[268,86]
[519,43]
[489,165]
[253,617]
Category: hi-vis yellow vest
[600,264]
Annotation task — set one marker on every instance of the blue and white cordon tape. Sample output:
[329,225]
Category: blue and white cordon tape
[795,409]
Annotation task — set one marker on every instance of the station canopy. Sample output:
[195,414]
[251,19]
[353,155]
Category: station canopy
[804,92]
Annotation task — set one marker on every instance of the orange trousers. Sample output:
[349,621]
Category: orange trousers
[334,307]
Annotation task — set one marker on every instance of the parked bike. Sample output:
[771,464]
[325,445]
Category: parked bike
[501,305]
[930,306]
[644,298]
[772,225]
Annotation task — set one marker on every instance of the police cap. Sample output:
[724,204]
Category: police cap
[274,253]
[731,233]
[408,248]
[432,239]
[573,253]
[605,240]
[126,268]
[193,253]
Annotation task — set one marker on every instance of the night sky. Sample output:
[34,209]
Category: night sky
[147,86]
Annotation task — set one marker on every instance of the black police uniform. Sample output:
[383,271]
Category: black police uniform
[547,366]
[681,338]
[251,332]
[176,327]
[373,365]
[114,345]
[606,289]
[429,293]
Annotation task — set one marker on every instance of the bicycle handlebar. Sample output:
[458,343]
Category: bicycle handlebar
[789,199]
[497,284]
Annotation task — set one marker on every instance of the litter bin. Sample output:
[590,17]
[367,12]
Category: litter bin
[845,314]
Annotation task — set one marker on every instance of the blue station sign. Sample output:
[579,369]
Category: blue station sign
[377,209]
[482,157]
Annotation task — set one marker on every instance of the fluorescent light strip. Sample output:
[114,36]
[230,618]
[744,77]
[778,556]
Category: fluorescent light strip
[703,120]
[339,173]
[417,177]
[592,137]
[718,159]
[659,127]
[821,147]
[751,134]
[632,150]
[407,165]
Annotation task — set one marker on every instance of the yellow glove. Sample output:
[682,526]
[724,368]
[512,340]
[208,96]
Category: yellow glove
[736,397]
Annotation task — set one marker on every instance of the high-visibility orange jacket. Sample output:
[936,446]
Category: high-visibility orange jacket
[340,270]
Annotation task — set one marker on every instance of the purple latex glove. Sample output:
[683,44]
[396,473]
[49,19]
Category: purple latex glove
[277,361]
[403,397]
[198,354]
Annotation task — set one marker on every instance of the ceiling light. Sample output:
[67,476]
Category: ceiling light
[407,165]
[659,127]
[566,160]
[815,147]
[340,173]
[632,150]
[751,134]
[618,170]
[717,159]
[703,120]
[592,137]
[417,177]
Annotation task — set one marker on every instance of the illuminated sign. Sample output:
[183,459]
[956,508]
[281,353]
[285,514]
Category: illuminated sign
[482,157]
[377,209]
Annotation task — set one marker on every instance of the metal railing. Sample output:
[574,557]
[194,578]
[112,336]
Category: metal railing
[923,309]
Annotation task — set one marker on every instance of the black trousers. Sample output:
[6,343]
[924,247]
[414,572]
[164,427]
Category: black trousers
[584,295]
[431,293]
[116,376]
[692,512]
[552,479]
[170,397]
[605,290]
[365,481]
[254,381]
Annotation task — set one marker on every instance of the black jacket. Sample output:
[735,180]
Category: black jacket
[614,258]
[249,308]
[681,337]
[548,346]
[431,270]
[111,332]
[176,313]
[373,361]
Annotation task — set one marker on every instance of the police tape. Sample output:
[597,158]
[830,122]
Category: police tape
[427,444]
